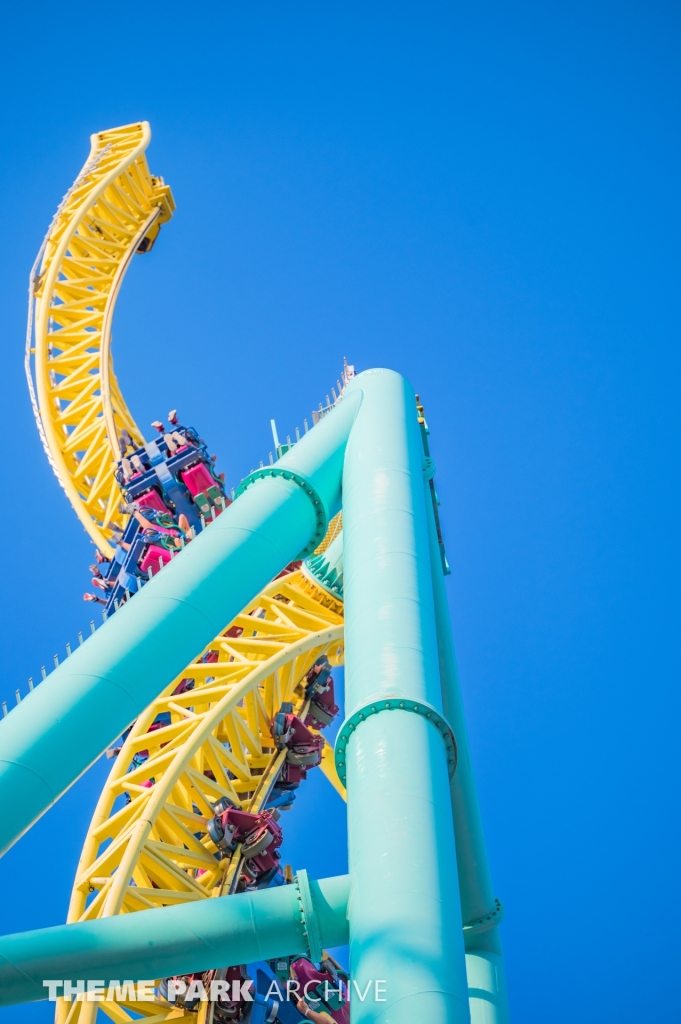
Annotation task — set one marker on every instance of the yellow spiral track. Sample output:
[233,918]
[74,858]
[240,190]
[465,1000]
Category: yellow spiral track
[113,210]
[145,853]
[147,845]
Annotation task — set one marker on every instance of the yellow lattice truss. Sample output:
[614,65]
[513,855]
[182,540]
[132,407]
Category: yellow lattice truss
[334,529]
[114,209]
[145,853]
[142,849]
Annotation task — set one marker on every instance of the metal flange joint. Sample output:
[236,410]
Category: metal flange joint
[309,916]
[375,707]
[306,486]
[485,923]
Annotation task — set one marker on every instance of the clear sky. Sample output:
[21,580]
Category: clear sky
[484,197]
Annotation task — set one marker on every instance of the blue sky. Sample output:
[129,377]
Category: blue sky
[484,197]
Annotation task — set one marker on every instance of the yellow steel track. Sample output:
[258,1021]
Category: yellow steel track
[146,853]
[113,210]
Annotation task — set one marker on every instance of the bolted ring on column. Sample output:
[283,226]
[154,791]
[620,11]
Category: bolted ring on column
[418,707]
[486,923]
[304,483]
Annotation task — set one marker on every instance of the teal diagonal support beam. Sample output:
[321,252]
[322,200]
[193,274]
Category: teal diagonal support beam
[64,725]
[220,932]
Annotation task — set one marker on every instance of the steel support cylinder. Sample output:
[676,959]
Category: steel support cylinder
[56,733]
[484,960]
[406,943]
[192,937]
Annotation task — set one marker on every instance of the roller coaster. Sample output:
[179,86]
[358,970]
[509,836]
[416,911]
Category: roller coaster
[209,685]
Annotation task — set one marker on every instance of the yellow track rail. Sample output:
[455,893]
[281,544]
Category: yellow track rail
[146,853]
[114,209]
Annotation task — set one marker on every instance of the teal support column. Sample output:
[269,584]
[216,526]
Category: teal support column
[64,725]
[152,944]
[481,912]
[405,916]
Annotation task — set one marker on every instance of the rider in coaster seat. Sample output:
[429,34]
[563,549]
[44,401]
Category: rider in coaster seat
[325,999]
[159,527]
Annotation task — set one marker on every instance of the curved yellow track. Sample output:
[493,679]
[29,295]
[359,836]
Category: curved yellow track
[145,853]
[113,210]
[142,849]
